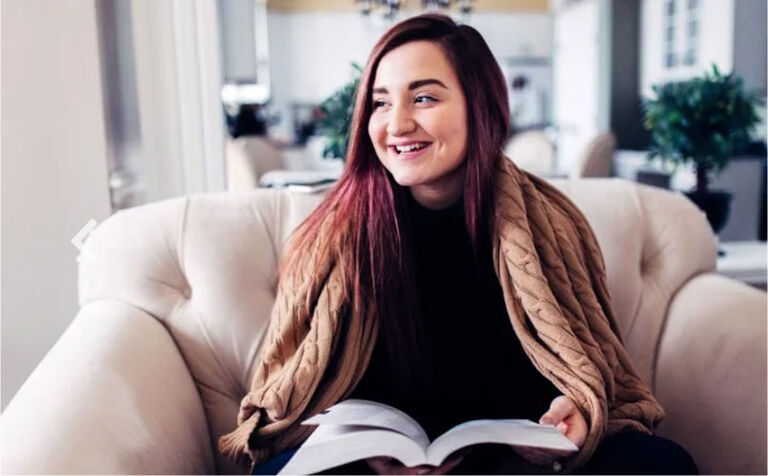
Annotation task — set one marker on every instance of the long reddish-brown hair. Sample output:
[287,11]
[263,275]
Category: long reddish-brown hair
[363,221]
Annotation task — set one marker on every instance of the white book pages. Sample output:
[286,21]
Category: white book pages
[355,430]
[334,445]
[509,432]
[367,413]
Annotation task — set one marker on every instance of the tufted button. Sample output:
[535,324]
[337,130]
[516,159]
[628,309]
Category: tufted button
[557,466]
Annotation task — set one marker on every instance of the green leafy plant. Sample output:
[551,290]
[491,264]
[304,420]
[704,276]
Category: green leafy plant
[704,121]
[337,115]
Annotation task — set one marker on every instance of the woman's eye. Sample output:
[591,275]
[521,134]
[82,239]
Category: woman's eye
[425,99]
[378,104]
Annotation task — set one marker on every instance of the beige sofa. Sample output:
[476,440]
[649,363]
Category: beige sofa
[175,305]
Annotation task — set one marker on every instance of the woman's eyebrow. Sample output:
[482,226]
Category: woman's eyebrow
[415,84]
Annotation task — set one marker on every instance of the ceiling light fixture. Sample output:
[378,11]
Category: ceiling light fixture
[390,8]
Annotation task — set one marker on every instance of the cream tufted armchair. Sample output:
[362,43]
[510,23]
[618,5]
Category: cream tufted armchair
[175,305]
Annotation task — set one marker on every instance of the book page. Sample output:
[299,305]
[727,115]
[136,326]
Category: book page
[373,414]
[330,446]
[510,432]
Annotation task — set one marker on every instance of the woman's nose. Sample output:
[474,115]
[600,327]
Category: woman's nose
[400,121]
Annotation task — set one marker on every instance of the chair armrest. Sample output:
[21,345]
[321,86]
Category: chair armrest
[112,396]
[711,375]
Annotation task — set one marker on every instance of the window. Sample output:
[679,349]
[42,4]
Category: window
[670,56]
[691,33]
[670,7]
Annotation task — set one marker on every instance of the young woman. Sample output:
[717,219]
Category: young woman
[438,278]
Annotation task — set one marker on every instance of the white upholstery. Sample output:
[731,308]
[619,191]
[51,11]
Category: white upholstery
[113,396]
[710,374]
[248,159]
[596,160]
[532,151]
[179,295]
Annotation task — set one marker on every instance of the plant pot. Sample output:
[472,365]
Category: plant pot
[716,204]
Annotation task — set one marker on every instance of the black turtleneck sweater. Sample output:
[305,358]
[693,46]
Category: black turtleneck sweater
[475,366]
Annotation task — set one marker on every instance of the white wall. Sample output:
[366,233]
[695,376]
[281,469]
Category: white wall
[54,171]
[178,83]
[580,63]
[238,48]
[311,52]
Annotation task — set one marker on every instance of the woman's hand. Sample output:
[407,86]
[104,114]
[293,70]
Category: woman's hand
[384,465]
[566,417]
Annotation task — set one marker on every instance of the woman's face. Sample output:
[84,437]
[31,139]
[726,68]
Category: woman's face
[418,124]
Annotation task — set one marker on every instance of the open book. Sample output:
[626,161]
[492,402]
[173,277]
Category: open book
[359,429]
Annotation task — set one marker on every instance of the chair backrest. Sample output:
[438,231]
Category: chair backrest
[205,266]
[596,159]
[532,151]
[248,158]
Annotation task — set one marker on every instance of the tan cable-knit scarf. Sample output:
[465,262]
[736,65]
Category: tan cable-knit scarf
[553,279]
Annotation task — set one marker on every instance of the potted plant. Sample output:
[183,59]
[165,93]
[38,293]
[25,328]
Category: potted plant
[703,121]
[337,115]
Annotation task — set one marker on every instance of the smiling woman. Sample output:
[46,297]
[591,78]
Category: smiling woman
[419,122]
[438,278]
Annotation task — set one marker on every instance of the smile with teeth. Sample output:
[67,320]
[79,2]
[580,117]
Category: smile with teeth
[410,147]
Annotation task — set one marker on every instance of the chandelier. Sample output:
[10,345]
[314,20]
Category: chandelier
[390,8]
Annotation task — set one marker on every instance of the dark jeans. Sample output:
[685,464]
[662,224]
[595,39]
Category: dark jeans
[624,453]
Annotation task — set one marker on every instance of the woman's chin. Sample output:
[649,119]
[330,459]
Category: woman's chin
[407,180]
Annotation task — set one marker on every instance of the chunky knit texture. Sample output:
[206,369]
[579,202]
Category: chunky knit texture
[553,278]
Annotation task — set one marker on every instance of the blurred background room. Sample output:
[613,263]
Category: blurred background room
[113,104]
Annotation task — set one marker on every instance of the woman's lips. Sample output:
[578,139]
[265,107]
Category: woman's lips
[409,155]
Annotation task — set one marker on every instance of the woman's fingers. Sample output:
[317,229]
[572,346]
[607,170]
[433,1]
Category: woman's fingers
[447,466]
[379,464]
[386,465]
[577,429]
[560,409]
[566,417]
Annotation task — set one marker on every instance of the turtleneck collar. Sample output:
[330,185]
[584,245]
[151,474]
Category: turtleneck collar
[420,213]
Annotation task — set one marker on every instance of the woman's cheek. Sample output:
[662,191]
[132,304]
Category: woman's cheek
[375,132]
